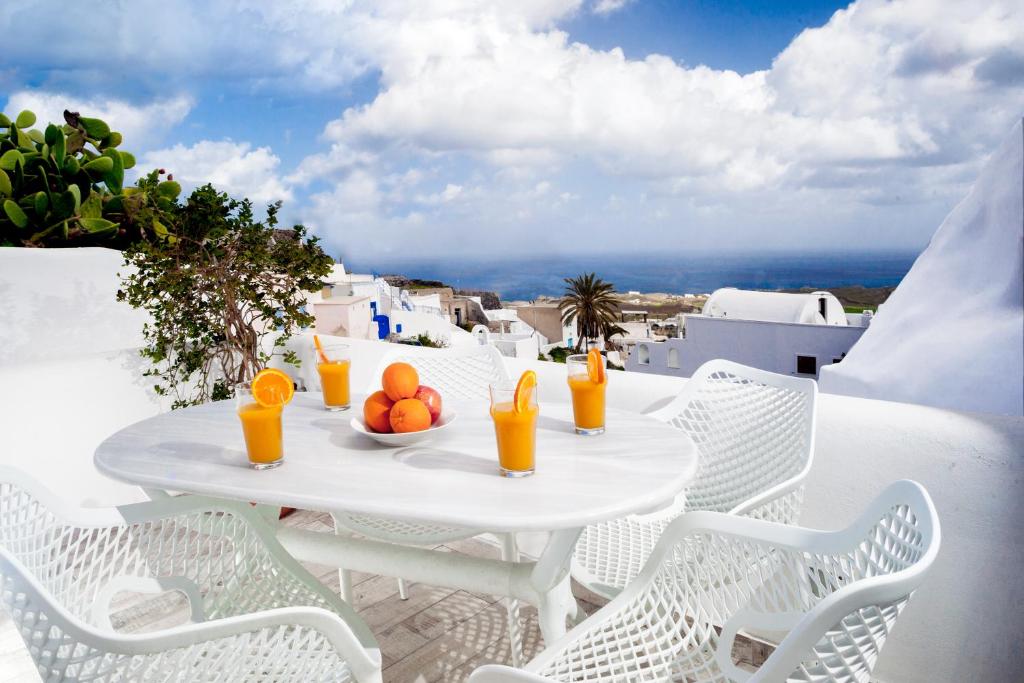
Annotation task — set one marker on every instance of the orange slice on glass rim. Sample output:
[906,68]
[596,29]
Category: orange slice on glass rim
[595,366]
[524,390]
[319,349]
[272,387]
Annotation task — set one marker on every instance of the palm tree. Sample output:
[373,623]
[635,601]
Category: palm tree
[590,302]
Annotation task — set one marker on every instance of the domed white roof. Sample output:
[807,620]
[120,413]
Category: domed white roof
[817,308]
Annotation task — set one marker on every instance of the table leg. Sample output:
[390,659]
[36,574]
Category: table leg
[510,553]
[544,583]
[550,578]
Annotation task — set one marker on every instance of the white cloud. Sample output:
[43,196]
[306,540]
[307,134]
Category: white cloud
[838,96]
[140,125]
[605,7]
[233,167]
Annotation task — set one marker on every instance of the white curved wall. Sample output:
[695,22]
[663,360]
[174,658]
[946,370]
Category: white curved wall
[952,334]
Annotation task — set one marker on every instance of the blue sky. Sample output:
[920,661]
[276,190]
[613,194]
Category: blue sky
[452,127]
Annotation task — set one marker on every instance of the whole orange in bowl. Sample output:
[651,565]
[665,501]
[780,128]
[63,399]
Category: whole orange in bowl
[377,412]
[400,381]
[409,415]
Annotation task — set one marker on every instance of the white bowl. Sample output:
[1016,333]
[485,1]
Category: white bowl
[407,438]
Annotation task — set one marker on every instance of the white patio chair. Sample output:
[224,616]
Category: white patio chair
[456,374]
[754,432]
[835,594]
[255,613]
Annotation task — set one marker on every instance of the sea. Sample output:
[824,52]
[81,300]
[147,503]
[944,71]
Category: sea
[526,278]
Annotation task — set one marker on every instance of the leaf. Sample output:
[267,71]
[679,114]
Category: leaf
[41,203]
[100,165]
[169,188]
[94,128]
[14,212]
[24,141]
[4,121]
[97,225]
[77,195]
[51,134]
[10,159]
[159,229]
[92,207]
[5,184]
[64,204]
[127,160]
[70,166]
[75,142]
[59,149]
[114,178]
[25,119]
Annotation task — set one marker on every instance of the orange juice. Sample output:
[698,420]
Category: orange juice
[517,437]
[261,426]
[334,381]
[587,402]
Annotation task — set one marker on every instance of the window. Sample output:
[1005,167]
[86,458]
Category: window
[643,354]
[673,358]
[806,365]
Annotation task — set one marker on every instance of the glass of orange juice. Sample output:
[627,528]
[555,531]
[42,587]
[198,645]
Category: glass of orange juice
[515,427]
[333,364]
[261,426]
[587,383]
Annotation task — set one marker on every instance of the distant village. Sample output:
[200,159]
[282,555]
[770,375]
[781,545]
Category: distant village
[793,332]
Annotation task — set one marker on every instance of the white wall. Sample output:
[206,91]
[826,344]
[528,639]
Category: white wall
[56,303]
[70,368]
[770,346]
[952,334]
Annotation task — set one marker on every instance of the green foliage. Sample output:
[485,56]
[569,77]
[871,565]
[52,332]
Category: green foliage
[560,353]
[425,339]
[589,301]
[49,179]
[217,290]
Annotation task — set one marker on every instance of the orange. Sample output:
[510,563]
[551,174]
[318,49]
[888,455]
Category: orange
[272,387]
[319,349]
[409,415]
[377,412]
[595,366]
[524,390]
[400,380]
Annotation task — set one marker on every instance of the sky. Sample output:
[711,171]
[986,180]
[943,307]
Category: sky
[451,128]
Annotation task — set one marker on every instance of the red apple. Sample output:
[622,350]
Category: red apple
[431,399]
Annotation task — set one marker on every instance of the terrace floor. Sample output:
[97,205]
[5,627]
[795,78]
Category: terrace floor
[438,634]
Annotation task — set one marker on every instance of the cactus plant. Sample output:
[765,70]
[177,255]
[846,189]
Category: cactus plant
[64,186]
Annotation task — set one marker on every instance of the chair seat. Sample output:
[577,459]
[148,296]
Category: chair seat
[610,554]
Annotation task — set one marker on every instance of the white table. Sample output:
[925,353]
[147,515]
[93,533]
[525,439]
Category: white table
[637,466]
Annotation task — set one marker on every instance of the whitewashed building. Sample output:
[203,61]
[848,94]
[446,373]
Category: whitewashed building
[793,334]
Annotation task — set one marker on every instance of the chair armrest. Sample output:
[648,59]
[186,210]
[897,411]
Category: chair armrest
[364,662]
[748,618]
[498,673]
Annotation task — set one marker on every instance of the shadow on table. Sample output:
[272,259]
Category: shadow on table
[192,451]
[426,458]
